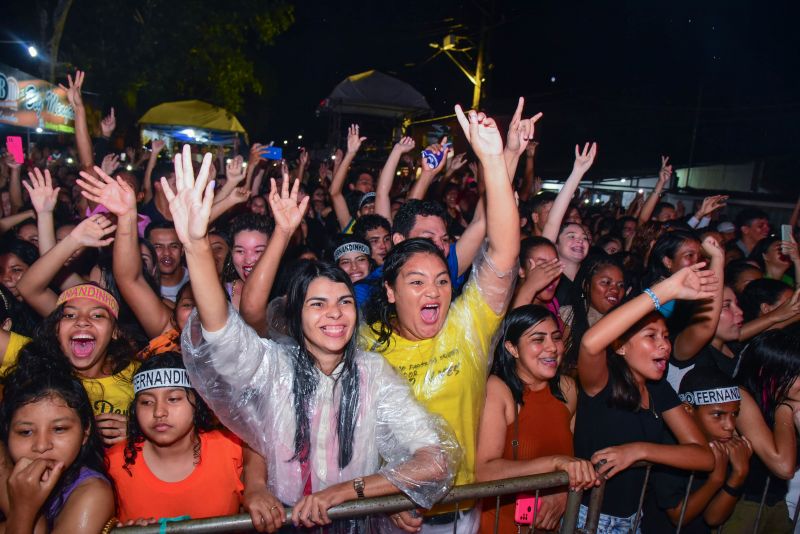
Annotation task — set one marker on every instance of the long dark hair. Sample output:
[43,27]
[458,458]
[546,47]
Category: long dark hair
[581,290]
[516,323]
[625,393]
[35,377]
[666,246]
[305,379]
[758,292]
[120,350]
[768,367]
[204,420]
[380,313]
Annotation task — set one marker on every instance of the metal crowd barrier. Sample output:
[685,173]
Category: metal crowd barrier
[390,504]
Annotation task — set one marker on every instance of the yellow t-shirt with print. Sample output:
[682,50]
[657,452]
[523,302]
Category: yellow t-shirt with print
[448,373]
[110,394]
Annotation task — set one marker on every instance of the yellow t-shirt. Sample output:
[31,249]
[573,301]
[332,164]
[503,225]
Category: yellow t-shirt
[110,394]
[448,372]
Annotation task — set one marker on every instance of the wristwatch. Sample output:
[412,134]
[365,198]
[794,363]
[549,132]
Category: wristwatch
[358,485]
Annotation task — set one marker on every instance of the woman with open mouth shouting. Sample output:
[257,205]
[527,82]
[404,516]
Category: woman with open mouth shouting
[624,405]
[443,350]
[332,422]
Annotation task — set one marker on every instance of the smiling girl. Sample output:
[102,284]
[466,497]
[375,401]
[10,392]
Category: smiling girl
[250,235]
[525,395]
[333,423]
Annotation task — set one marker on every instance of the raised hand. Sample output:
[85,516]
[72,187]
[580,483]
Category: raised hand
[74,89]
[455,163]
[90,231]
[239,195]
[40,188]
[31,482]
[10,162]
[710,205]
[693,283]
[542,275]
[665,172]
[712,248]
[234,170]
[302,160]
[190,203]
[520,131]
[440,150]
[788,309]
[789,248]
[158,145]
[110,163]
[584,158]
[354,139]
[287,212]
[481,132]
[117,196]
[405,145]
[255,154]
[108,124]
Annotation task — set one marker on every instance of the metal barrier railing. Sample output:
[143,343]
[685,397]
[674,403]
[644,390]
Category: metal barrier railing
[390,504]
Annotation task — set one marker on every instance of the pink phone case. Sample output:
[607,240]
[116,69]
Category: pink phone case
[14,146]
[527,506]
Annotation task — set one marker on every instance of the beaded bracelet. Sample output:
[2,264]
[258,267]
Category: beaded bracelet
[653,296]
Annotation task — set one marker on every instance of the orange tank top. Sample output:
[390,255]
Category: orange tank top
[543,431]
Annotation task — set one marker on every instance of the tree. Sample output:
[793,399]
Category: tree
[146,52]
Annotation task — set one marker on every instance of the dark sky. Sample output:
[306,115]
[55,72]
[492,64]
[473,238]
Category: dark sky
[629,74]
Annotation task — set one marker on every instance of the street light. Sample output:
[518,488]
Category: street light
[32,51]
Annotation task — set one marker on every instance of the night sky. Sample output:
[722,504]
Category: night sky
[628,74]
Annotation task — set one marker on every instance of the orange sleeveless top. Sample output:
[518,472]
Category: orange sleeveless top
[543,431]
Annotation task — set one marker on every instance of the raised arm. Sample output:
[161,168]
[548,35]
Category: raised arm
[44,199]
[383,201]
[337,198]
[706,317]
[82,138]
[7,223]
[157,146]
[502,218]
[520,133]
[240,195]
[690,283]
[649,206]
[234,175]
[527,189]
[33,286]
[288,214]
[190,205]
[583,162]
[428,174]
[795,214]
[118,197]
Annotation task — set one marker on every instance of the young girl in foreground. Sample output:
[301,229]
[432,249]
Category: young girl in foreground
[623,404]
[334,423]
[173,463]
[58,482]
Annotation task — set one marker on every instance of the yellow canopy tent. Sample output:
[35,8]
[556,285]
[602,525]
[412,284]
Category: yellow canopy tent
[192,121]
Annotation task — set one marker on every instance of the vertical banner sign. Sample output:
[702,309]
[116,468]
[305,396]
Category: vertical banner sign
[28,102]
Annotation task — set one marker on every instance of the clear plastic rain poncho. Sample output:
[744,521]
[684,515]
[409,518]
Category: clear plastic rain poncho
[247,381]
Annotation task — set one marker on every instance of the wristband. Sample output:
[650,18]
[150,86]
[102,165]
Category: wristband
[654,298]
[733,492]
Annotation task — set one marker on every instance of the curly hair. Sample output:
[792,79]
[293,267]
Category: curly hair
[119,353]
[244,223]
[204,420]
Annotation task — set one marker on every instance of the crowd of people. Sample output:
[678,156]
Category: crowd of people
[194,334]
